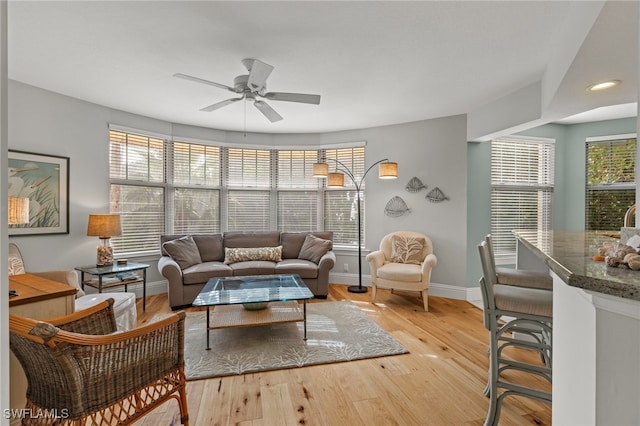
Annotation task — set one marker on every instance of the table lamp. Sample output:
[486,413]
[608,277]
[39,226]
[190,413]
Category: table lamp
[104,226]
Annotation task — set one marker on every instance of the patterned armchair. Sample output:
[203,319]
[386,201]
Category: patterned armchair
[80,372]
[403,262]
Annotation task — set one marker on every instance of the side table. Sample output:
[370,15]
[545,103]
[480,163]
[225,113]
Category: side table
[115,275]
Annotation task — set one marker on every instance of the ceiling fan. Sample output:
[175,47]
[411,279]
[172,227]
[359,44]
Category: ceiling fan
[253,86]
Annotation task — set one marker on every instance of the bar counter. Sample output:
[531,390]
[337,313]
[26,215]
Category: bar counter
[596,328]
[568,254]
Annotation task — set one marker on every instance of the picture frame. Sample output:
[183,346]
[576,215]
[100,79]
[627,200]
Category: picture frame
[44,180]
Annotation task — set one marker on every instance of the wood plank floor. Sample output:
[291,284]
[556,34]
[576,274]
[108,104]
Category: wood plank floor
[439,382]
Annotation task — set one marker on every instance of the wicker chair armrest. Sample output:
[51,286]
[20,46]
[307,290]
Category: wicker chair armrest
[97,319]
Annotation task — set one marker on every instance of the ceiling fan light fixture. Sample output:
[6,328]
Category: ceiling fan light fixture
[603,85]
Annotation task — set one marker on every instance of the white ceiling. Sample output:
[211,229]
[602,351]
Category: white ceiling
[373,63]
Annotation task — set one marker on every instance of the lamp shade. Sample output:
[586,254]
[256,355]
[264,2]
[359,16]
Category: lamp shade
[388,170]
[18,210]
[320,170]
[104,225]
[335,180]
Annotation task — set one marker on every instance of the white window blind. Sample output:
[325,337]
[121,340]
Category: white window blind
[248,210]
[297,208]
[161,186]
[610,186]
[340,205]
[137,190]
[522,179]
[196,188]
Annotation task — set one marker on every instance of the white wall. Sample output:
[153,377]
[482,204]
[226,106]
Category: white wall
[433,150]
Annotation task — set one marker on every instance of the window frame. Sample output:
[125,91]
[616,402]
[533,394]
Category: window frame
[540,188]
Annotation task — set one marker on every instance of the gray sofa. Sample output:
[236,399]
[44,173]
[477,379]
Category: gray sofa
[189,261]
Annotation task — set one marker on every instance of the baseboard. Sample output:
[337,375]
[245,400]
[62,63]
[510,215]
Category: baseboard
[435,289]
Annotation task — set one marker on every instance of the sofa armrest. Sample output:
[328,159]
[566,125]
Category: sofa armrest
[376,259]
[170,269]
[327,262]
[429,262]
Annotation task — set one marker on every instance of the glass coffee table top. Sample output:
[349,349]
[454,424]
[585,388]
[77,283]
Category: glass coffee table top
[252,289]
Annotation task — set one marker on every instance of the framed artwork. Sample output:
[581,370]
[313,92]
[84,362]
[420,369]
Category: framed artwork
[38,194]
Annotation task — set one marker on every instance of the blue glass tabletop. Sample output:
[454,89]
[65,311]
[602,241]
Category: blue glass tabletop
[252,289]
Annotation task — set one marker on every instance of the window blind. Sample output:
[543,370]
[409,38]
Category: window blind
[171,186]
[137,191]
[610,183]
[340,205]
[522,178]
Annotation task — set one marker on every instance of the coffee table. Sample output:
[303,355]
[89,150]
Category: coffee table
[254,300]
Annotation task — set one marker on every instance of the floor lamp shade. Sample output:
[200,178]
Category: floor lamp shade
[388,170]
[104,226]
[18,211]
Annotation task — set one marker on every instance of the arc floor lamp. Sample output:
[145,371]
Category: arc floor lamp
[387,170]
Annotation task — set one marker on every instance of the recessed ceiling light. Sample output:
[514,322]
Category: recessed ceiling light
[604,85]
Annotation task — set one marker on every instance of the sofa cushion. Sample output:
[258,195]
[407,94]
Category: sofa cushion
[245,254]
[184,251]
[253,267]
[314,248]
[292,242]
[236,239]
[304,268]
[200,273]
[406,249]
[210,247]
[400,272]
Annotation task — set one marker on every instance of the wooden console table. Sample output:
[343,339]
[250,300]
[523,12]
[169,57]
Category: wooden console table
[38,298]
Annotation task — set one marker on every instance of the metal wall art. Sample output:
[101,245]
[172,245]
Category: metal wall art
[415,185]
[396,207]
[436,195]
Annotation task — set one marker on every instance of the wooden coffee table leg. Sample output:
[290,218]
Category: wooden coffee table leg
[208,347]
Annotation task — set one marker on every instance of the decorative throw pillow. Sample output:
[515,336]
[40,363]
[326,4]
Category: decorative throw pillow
[245,254]
[314,248]
[407,249]
[16,266]
[184,251]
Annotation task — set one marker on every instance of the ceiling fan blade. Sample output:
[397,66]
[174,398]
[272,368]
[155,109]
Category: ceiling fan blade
[293,97]
[219,105]
[258,75]
[268,112]
[203,81]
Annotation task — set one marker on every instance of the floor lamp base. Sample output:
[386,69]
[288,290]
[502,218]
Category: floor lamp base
[357,289]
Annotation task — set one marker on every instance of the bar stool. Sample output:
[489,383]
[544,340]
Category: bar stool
[519,277]
[509,309]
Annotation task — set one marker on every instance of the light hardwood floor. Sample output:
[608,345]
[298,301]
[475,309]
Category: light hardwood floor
[439,382]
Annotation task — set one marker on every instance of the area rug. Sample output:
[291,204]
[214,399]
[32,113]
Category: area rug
[336,332]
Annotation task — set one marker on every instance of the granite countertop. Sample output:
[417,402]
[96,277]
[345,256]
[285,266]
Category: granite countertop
[568,254]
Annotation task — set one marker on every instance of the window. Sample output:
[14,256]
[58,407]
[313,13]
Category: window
[160,186]
[610,185]
[137,165]
[340,205]
[521,189]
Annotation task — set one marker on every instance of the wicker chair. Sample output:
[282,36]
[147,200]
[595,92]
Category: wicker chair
[80,372]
